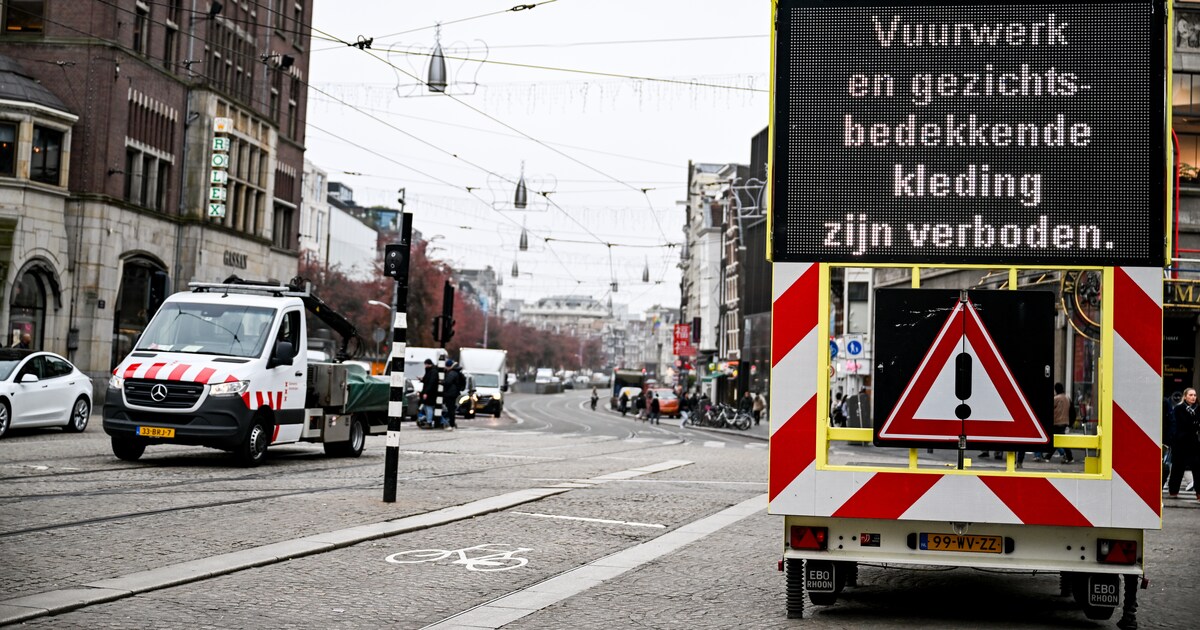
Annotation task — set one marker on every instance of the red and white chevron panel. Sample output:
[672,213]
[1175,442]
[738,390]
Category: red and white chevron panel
[1131,498]
[174,372]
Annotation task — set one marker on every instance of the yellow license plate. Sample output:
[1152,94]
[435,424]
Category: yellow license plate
[969,542]
[156,432]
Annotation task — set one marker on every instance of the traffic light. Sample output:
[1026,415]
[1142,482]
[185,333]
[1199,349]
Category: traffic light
[395,261]
[443,329]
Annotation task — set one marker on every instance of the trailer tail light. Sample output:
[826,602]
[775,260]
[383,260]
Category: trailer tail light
[1110,551]
[806,537]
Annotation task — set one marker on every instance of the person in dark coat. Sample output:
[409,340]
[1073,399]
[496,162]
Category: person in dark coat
[1184,442]
[623,403]
[452,387]
[429,389]
[655,408]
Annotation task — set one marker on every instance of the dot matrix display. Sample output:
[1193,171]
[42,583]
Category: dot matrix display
[1016,133]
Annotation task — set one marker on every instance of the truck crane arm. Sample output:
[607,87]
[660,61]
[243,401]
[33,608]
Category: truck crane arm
[302,288]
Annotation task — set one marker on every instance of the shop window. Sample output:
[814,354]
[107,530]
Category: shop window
[8,149]
[46,159]
[24,16]
[27,314]
[144,286]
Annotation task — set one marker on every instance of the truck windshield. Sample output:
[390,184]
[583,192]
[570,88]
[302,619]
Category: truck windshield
[223,329]
[486,380]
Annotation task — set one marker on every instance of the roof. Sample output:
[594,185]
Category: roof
[17,85]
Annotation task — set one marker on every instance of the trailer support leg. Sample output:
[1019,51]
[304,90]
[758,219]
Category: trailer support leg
[851,574]
[1128,619]
[794,574]
[1064,584]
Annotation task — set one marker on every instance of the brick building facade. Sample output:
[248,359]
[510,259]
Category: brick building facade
[142,83]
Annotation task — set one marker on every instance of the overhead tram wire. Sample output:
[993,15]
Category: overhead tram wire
[515,9]
[611,75]
[622,42]
[514,129]
[510,135]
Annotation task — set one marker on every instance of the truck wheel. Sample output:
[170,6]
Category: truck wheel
[127,449]
[352,447]
[498,410]
[253,449]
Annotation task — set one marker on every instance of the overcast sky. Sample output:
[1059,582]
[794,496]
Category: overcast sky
[593,142]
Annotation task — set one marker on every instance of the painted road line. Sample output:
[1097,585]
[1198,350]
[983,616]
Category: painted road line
[592,520]
[714,444]
[62,600]
[525,602]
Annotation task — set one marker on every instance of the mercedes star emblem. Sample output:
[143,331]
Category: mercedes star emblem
[158,392]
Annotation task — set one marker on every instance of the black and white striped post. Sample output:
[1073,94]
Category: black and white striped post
[396,265]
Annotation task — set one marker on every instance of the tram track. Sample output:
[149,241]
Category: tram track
[241,500]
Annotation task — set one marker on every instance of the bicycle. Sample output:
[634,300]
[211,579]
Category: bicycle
[490,562]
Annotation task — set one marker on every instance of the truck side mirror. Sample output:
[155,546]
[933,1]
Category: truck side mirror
[503,382]
[283,355]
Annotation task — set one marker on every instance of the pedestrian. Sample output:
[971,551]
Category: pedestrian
[639,404]
[1184,442]
[26,342]
[595,398]
[623,403]
[429,392]
[655,408]
[452,386]
[746,403]
[760,405]
[837,411]
[1063,412]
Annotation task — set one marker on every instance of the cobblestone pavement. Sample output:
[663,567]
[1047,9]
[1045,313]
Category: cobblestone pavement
[70,514]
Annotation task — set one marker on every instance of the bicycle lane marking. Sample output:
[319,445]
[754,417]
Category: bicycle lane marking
[499,560]
[106,590]
[524,602]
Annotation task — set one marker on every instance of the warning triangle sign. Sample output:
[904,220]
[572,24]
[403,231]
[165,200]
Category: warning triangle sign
[928,408]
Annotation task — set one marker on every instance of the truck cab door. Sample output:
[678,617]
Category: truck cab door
[284,379]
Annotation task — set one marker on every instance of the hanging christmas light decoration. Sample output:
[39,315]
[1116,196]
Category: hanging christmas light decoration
[521,198]
[515,271]
[646,271]
[437,65]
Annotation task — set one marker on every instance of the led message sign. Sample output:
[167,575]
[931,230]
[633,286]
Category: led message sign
[1015,133]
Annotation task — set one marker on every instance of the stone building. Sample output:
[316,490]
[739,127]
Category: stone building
[138,94]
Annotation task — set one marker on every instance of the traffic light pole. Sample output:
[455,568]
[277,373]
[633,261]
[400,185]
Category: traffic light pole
[443,331]
[395,264]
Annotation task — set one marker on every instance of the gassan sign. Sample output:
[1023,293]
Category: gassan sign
[1015,133]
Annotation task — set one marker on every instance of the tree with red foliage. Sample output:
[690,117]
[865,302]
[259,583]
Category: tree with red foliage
[527,347]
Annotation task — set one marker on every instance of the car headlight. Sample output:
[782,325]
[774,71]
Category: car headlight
[497,396]
[232,388]
[116,382]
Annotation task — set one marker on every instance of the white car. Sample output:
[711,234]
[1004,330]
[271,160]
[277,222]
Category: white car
[42,389]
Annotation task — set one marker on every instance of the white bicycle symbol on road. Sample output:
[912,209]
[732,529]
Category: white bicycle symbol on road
[499,560]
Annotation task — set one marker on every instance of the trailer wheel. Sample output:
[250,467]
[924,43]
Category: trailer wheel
[352,447]
[127,449]
[253,449]
[794,573]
